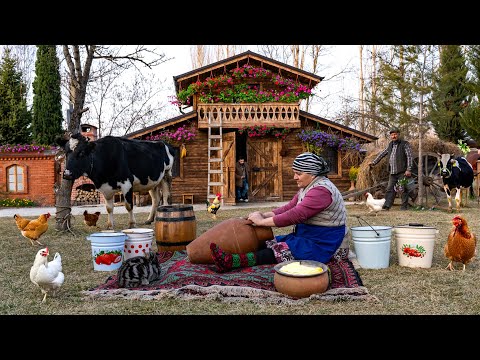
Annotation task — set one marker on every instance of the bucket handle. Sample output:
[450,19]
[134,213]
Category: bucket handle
[359,218]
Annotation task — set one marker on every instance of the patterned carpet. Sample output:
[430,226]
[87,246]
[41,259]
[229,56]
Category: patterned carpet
[182,279]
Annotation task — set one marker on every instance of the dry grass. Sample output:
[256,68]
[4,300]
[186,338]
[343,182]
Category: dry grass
[400,290]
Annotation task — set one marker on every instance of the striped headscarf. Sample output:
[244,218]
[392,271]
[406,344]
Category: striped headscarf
[311,164]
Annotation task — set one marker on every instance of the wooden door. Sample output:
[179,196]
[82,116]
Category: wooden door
[265,169]
[228,143]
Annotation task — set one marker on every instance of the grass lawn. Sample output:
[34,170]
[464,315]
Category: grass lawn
[400,290]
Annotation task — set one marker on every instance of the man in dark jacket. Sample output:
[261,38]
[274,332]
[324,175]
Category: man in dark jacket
[400,161]
[241,179]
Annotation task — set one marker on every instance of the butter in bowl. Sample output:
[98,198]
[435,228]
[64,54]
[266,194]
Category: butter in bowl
[301,278]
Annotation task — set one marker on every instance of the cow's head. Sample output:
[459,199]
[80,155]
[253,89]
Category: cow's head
[79,157]
[446,163]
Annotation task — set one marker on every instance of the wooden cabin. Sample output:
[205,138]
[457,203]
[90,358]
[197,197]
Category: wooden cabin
[209,164]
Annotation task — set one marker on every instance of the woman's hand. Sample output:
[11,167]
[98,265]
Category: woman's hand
[255,213]
[255,217]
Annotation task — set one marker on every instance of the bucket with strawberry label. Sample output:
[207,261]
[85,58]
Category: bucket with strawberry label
[415,244]
[139,241]
[107,250]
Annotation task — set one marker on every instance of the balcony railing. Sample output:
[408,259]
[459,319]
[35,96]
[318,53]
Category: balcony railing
[249,114]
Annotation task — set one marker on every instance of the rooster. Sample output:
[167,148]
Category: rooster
[91,219]
[32,229]
[47,275]
[461,243]
[375,205]
[213,207]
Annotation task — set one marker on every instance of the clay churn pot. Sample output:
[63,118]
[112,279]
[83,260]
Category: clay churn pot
[301,278]
[236,235]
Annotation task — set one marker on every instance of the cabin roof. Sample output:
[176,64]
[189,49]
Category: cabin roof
[193,114]
[248,57]
[161,125]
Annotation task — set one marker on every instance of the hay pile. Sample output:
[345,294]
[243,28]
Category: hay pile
[369,177]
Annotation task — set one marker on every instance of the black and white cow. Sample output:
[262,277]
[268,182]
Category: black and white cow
[456,173]
[128,165]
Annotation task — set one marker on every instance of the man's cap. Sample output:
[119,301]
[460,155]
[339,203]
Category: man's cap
[394,130]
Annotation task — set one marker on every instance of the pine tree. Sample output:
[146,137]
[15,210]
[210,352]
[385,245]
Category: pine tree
[396,89]
[470,117]
[449,94]
[15,118]
[47,106]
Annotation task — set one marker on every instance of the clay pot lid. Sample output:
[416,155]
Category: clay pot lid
[312,263]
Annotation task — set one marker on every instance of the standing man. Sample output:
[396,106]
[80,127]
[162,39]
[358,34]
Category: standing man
[400,161]
[241,179]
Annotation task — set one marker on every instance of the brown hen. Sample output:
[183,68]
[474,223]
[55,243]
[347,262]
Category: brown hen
[32,229]
[91,219]
[461,243]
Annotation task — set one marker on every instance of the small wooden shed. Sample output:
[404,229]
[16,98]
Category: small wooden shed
[209,165]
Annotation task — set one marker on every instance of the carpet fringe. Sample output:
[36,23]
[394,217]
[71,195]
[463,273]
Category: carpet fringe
[230,294]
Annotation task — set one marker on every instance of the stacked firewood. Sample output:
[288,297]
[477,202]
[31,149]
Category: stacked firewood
[87,197]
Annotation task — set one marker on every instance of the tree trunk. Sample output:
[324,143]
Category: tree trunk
[63,205]
[373,100]
[361,91]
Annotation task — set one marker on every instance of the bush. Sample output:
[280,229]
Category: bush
[16,203]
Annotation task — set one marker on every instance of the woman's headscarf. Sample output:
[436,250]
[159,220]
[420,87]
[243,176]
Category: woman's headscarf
[311,164]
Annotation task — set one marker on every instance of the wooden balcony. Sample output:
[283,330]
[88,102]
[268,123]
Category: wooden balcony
[249,114]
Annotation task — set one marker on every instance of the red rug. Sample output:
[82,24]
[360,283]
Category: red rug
[184,279]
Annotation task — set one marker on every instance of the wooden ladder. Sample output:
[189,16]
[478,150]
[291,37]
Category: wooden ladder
[215,157]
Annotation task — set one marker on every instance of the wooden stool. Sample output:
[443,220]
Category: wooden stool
[188,197]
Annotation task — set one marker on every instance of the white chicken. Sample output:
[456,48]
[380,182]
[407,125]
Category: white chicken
[47,275]
[375,205]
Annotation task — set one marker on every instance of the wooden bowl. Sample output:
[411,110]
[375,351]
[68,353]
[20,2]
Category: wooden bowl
[301,286]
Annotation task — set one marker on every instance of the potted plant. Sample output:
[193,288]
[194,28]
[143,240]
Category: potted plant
[353,174]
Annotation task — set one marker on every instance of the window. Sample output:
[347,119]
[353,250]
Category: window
[16,179]
[177,170]
[331,157]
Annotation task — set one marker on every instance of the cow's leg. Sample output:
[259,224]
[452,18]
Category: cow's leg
[129,206]
[449,197]
[166,185]
[155,202]
[458,197]
[109,207]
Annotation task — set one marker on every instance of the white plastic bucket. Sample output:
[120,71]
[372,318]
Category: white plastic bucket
[138,242]
[107,250]
[372,245]
[415,243]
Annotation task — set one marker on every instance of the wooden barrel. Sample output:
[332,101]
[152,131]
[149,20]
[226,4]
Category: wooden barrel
[175,227]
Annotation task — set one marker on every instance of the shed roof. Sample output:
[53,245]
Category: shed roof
[340,127]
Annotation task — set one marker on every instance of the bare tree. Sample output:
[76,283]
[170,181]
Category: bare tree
[135,105]
[225,51]
[79,61]
[373,87]
[199,55]
[361,91]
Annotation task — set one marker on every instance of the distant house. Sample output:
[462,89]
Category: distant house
[209,166]
[29,175]
[32,175]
